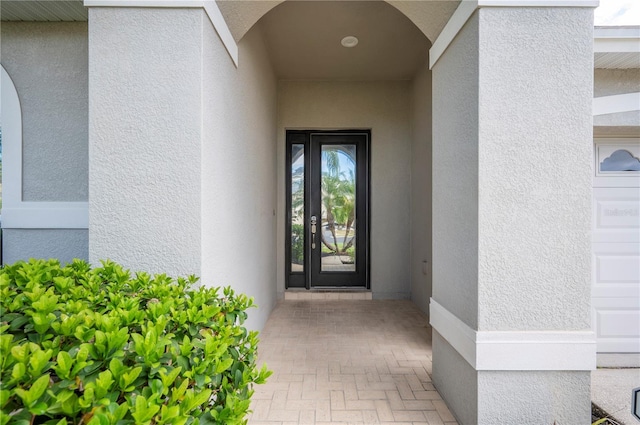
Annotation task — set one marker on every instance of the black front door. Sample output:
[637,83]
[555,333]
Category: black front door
[327,209]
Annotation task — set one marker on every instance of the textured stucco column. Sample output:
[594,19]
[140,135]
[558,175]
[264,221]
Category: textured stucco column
[145,131]
[512,132]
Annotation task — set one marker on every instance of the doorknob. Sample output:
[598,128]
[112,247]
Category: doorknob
[313,231]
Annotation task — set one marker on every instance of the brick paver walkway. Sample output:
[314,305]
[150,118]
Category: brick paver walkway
[347,362]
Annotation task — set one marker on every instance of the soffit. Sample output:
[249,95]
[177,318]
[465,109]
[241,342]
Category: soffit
[303,39]
[617,60]
[616,47]
[28,10]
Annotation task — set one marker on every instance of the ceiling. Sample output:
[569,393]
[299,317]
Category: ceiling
[303,38]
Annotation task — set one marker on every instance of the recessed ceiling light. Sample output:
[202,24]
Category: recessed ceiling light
[349,41]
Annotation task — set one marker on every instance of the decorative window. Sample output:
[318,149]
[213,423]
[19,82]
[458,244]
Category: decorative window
[618,159]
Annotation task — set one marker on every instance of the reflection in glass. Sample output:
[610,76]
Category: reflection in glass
[338,229]
[297,208]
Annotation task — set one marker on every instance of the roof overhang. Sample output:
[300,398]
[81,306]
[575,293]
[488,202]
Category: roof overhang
[43,10]
[616,47]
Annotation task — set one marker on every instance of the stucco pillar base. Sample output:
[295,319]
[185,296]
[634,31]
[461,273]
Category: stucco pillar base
[512,131]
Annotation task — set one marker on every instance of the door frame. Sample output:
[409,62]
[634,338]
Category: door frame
[302,280]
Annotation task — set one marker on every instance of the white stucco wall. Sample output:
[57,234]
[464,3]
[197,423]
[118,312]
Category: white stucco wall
[541,397]
[621,119]
[385,108]
[534,265]
[239,171]
[511,207]
[145,132]
[61,244]
[615,81]
[48,64]
[421,235]
[456,381]
[455,176]
[608,82]
[455,212]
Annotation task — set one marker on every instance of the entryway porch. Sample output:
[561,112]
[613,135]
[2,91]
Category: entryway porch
[347,361]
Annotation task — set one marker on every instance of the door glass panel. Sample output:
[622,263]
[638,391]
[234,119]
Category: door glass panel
[338,192]
[297,208]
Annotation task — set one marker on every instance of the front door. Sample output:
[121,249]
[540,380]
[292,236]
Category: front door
[327,227]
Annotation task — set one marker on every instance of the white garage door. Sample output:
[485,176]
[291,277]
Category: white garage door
[616,245]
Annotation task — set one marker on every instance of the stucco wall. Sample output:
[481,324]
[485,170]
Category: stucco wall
[534,266]
[609,82]
[48,64]
[456,381]
[565,396]
[511,206]
[62,244]
[385,108]
[145,130]
[621,119]
[615,81]
[455,176]
[239,171]
[421,190]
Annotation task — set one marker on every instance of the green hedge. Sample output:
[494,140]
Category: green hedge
[100,346]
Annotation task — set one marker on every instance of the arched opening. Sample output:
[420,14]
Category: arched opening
[383,84]
[11,123]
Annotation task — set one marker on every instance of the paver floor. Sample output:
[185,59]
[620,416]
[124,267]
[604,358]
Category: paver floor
[347,362]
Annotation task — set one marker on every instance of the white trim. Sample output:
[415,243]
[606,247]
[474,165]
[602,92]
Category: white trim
[17,214]
[467,7]
[47,215]
[11,119]
[616,103]
[616,45]
[616,40]
[451,29]
[209,6]
[221,27]
[517,350]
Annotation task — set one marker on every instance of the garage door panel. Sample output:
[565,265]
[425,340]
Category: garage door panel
[616,214]
[618,268]
[616,247]
[618,323]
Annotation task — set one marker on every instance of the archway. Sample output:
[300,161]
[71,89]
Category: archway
[430,17]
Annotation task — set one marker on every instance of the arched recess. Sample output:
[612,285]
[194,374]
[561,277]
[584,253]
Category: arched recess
[11,122]
[16,213]
[429,16]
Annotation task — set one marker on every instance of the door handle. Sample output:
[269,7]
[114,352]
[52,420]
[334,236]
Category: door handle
[313,231]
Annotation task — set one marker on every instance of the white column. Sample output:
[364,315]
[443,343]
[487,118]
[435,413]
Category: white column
[512,132]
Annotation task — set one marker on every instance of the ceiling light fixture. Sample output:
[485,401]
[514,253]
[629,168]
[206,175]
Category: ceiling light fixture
[349,41]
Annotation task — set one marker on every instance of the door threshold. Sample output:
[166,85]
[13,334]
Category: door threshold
[328,294]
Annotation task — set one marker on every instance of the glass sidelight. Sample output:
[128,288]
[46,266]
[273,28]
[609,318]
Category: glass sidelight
[327,209]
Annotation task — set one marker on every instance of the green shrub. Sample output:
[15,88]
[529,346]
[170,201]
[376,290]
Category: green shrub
[99,346]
